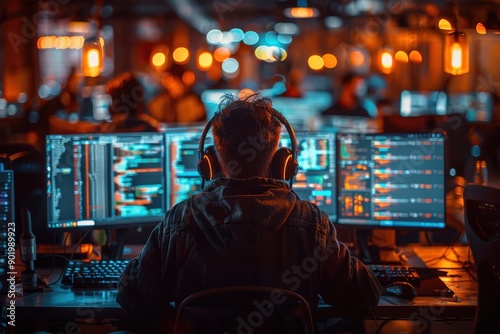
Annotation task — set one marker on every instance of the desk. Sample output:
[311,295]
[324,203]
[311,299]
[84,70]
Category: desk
[88,305]
[461,306]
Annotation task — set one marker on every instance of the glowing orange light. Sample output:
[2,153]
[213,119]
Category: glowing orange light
[444,24]
[158,59]
[245,92]
[188,77]
[480,29]
[330,60]
[205,60]
[92,57]
[456,54]
[357,58]
[301,12]
[221,54]
[315,62]
[416,57]
[401,56]
[180,55]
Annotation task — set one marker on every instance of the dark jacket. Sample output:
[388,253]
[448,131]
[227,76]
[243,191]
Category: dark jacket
[246,232]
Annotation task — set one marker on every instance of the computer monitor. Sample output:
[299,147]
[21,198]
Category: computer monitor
[394,181]
[7,224]
[182,177]
[103,181]
[315,180]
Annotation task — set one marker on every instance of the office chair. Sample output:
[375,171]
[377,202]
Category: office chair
[482,227]
[244,309]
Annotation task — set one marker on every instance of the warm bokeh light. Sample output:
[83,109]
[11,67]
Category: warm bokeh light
[444,24]
[275,53]
[205,60]
[301,12]
[92,57]
[456,56]
[401,56]
[416,57]
[79,27]
[270,53]
[261,52]
[456,53]
[60,42]
[386,60]
[158,59]
[480,29]
[180,55]
[329,60]
[245,92]
[221,54]
[188,77]
[357,58]
[315,62]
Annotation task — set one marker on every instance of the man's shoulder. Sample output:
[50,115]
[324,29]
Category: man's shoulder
[179,214]
[309,213]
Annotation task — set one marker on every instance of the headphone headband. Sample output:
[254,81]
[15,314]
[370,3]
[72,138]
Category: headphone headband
[291,133]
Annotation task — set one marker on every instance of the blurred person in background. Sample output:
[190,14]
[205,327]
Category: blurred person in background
[352,100]
[128,111]
[178,103]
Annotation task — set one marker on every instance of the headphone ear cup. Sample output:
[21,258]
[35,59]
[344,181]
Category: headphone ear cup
[208,165]
[283,165]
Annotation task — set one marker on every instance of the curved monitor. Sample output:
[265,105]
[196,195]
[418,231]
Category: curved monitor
[391,180]
[105,180]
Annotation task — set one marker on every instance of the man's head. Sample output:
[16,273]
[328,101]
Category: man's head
[246,135]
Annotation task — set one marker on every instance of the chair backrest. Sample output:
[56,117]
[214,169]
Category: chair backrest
[244,309]
[482,227]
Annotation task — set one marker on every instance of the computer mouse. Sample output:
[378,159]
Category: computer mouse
[400,289]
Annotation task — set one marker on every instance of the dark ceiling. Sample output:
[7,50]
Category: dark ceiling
[227,13]
[202,14]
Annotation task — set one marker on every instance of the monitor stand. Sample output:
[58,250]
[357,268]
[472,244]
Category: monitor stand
[370,253]
[113,250]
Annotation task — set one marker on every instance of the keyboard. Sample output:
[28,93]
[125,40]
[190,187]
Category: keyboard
[387,274]
[94,274]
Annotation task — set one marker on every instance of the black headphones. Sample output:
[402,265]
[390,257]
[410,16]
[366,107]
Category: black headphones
[284,165]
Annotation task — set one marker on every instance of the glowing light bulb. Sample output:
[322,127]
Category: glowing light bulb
[456,56]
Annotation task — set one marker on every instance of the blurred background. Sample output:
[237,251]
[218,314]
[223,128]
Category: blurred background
[108,66]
